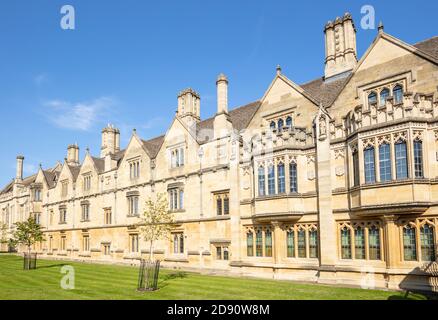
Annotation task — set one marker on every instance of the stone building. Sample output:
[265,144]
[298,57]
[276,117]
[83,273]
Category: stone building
[331,181]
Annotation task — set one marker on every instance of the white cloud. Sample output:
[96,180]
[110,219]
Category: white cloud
[78,116]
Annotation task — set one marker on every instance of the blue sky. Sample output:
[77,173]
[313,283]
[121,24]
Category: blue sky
[127,60]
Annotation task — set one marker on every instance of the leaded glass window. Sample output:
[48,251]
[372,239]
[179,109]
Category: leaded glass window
[262,181]
[401,161]
[289,122]
[293,177]
[271,180]
[374,243]
[370,170]
[259,243]
[313,244]
[385,162]
[280,124]
[291,244]
[384,95]
[427,243]
[356,168]
[409,243]
[268,243]
[359,243]
[418,159]
[302,244]
[272,125]
[250,244]
[345,243]
[372,98]
[397,92]
[281,178]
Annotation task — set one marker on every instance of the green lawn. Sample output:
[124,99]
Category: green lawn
[104,282]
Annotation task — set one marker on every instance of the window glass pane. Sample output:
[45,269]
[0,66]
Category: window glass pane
[374,243]
[372,98]
[289,122]
[181,199]
[409,244]
[261,181]
[418,159]
[384,95]
[219,206]
[250,244]
[345,243]
[226,254]
[427,243]
[385,162]
[268,243]
[181,243]
[313,244]
[398,94]
[356,168]
[280,124]
[281,178]
[293,177]
[291,244]
[226,205]
[359,243]
[370,176]
[219,253]
[401,163]
[271,180]
[259,243]
[272,125]
[302,244]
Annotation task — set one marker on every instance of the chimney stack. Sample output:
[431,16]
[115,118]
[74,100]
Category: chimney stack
[110,140]
[222,94]
[19,174]
[73,155]
[340,44]
[189,106]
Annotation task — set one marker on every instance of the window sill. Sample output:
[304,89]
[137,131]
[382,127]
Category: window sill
[85,220]
[178,211]
[62,222]
[133,216]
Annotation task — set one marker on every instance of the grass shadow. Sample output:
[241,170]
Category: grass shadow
[51,266]
[175,275]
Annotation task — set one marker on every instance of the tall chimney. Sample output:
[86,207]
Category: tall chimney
[340,46]
[73,155]
[110,140]
[19,174]
[222,94]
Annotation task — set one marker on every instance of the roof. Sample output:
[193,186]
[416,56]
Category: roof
[99,163]
[240,118]
[50,178]
[323,91]
[153,145]
[429,46]
[75,171]
[8,188]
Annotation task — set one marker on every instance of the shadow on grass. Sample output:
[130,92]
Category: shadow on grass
[51,266]
[175,275]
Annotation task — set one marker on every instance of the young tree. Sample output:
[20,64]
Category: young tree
[27,233]
[157,220]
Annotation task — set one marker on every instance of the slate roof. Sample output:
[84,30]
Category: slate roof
[325,92]
[153,145]
[50,178]
[99,163]
[429,46]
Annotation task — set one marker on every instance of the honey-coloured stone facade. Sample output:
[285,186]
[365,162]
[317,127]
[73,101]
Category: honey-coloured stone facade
[332,181]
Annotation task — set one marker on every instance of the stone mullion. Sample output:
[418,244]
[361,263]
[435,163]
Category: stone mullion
[376,160]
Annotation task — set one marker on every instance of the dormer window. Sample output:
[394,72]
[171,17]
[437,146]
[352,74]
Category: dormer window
[87,183]
[134,169]
[177,157]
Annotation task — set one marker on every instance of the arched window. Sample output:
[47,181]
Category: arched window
[281,178]
[427,243]
[268,243]
[271,180]
[291,244]
[409,243]
[359,243]
[397,93]
[280,125]
[384,95]
[418,159]
[259,243]
[272,125]
[370,169]
[301,244]
[372,98]
[374,243]
[345,243]
[385,162]
[313,244]
[250,244]
[289,122]
[401,160]
[262,181]
[293,177]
